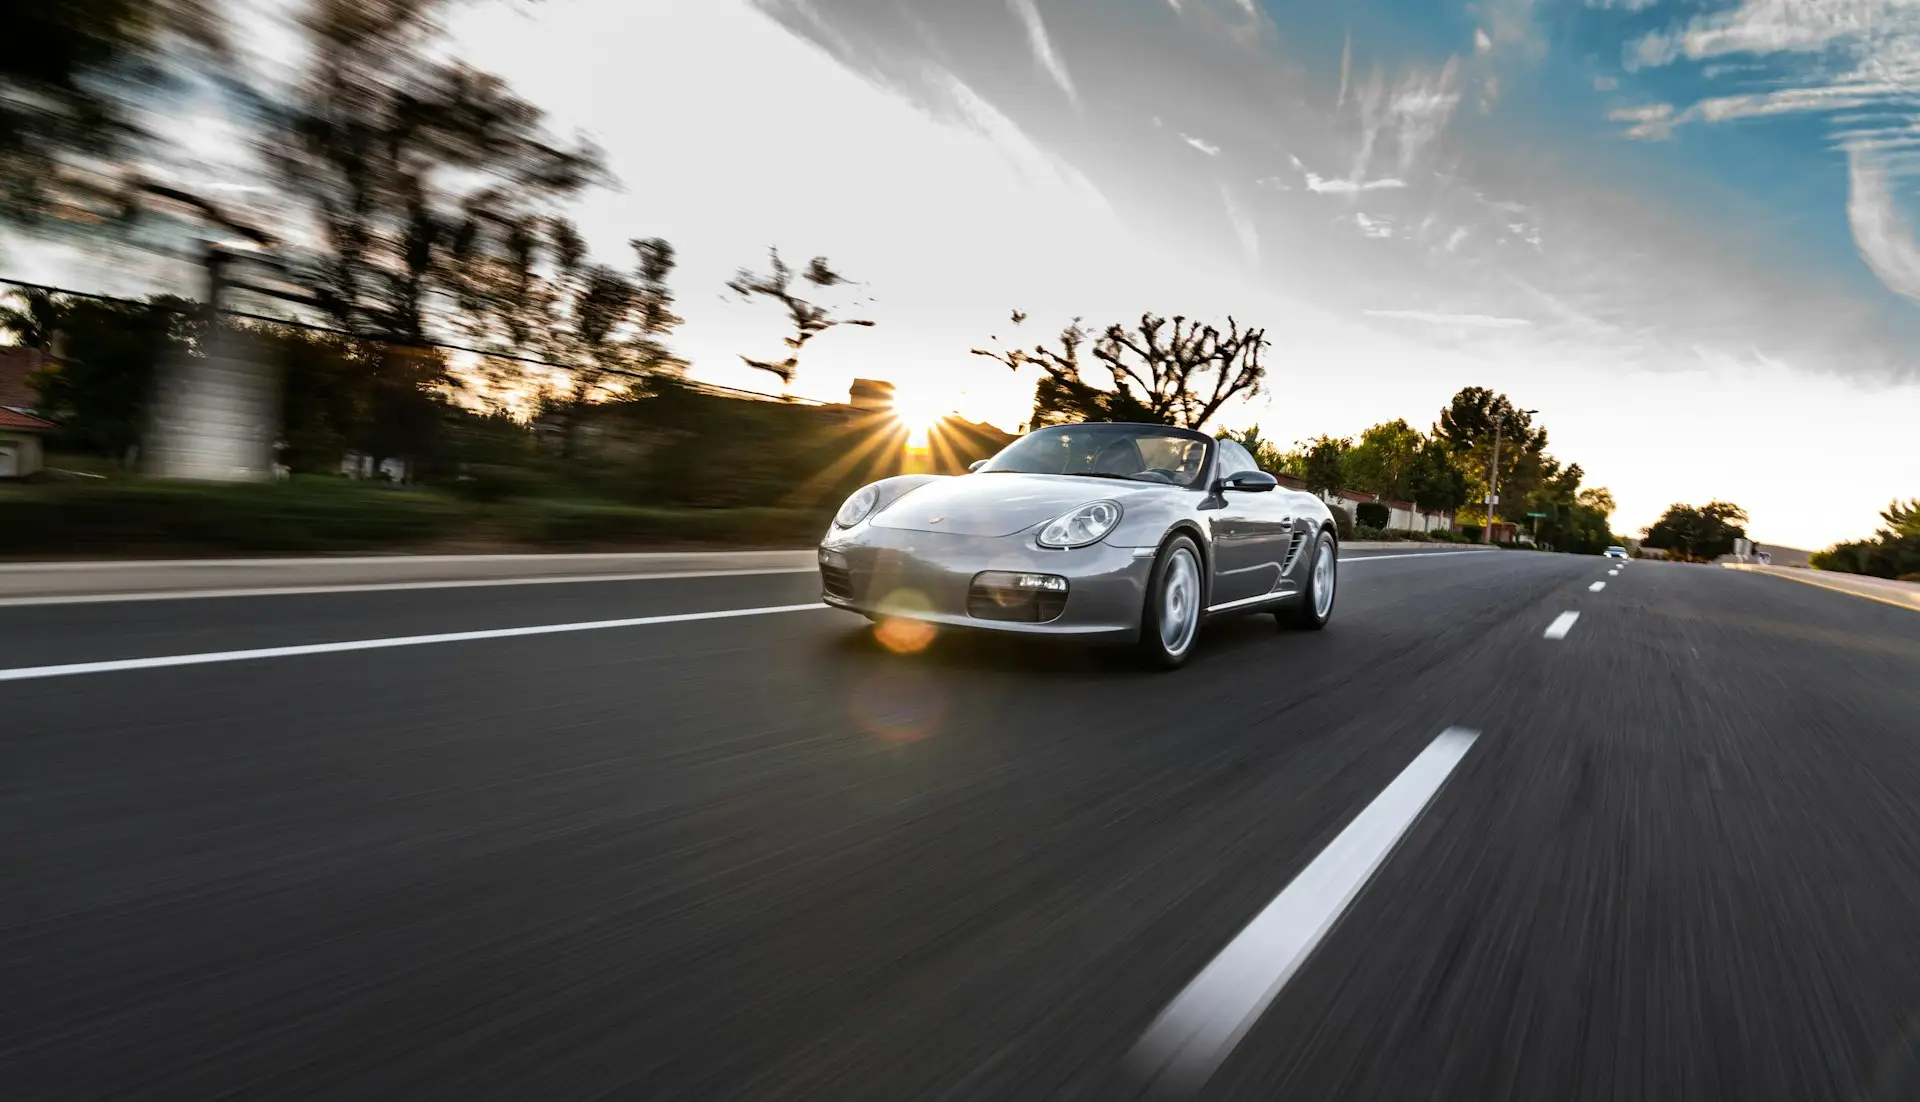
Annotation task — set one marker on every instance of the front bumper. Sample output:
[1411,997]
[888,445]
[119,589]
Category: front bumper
[929,576]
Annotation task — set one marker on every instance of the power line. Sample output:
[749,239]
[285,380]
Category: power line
[312,328]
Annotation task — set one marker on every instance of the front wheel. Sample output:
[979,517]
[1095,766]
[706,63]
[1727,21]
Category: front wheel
[1315,606]
[1170,622]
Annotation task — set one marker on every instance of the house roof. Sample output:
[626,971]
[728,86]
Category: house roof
[24,422]
[15,365]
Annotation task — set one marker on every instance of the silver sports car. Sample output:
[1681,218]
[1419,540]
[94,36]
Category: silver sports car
[1100,532]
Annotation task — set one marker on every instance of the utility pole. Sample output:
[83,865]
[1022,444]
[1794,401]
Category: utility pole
[1493,471]
[1493,477]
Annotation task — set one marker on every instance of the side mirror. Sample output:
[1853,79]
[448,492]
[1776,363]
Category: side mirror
[1249,482]
[976,464]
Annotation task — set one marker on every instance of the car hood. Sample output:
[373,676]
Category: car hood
[1002,504]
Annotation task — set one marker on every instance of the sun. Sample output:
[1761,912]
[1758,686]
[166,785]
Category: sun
[920,413]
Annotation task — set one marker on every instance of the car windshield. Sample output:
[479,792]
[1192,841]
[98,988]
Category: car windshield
[1143,453]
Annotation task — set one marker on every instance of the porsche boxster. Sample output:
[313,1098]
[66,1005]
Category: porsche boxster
[1109,533]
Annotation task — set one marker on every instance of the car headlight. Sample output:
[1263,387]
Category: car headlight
[857,507]
[1089,523]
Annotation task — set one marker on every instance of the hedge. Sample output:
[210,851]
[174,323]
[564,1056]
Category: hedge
[320,515]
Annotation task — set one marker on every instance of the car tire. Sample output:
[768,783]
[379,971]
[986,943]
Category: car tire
[1315,606]
[1175,605]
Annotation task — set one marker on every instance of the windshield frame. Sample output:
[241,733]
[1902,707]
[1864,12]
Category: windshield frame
[1201,481]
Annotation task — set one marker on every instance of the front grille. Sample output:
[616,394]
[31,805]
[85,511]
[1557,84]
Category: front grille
[1020,606]
[836,581]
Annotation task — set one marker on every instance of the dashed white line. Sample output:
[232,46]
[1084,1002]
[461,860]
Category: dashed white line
[75,669]
[1562,624]
[1596,587]
[1197,1031]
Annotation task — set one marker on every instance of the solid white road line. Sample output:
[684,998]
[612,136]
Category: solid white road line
[74,669]
[1191,1038]
[1412,555]
[1562,624]
[464,583]
[1596,587]
[381,587]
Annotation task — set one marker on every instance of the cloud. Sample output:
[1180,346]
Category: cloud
[1377,228]
[1422,107]
[1623,5]
[1476,321]
[1651,122]
[1042,46]
[1764,27]
[1243,227]
[1348,187]
[1454,239]
[1201,144]
[1605,84]
[1482,44]
[1880,232]
[1346,69]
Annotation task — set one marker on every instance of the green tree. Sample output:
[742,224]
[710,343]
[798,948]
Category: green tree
[1163,371]
[99,390]
[809,319]
[1698,534]
[1468,425]
[1326,464]
[1597,498]
[1386,460]
[1264,451]
[1438,484]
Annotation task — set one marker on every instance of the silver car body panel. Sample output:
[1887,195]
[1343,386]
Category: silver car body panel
[918,554]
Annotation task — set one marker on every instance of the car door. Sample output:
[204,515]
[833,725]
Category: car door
[1250,533]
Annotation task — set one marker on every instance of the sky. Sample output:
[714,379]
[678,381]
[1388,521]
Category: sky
[1681,231]
[1678,230]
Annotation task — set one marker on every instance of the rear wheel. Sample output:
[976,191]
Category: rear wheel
[1176,595]
[1315,606]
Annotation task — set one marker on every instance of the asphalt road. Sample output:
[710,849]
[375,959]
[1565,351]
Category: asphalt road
[761,857]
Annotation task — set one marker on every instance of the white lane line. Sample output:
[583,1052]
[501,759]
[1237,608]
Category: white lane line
[382,587]
[75,669]
[1562,624]
[1412,555]
[1196,1031]
[1613,573]
[1596,587]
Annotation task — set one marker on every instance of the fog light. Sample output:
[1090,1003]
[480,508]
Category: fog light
[1045,583]
[833,559]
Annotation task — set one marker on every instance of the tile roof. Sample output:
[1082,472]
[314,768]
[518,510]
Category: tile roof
[25,422]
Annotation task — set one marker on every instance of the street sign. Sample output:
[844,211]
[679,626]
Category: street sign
[1539,514]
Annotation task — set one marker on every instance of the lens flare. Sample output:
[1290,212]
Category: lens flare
[904,636]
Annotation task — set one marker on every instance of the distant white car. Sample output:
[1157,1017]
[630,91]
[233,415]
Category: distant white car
[1616,552]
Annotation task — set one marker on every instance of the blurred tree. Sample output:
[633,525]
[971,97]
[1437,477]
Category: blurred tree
[32,318]
[1894,552]
[99,390]
[1326,464]
[809,319]
[71,75]
[1597,498]
[1166,371]
[1698,534]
